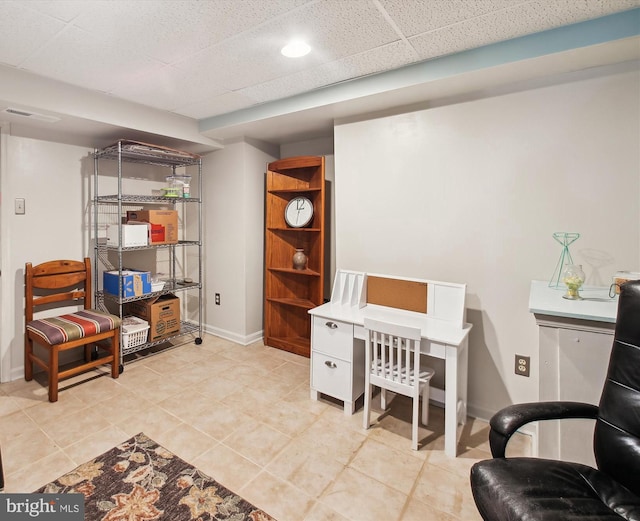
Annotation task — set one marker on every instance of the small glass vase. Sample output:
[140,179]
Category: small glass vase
[573,277]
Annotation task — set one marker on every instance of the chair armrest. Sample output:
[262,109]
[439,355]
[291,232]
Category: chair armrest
[508,420]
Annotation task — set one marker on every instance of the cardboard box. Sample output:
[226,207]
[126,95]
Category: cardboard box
[162,313]
[164,224]
[134,283]
[132,235]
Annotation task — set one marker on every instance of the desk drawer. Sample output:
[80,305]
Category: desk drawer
[332,337]
[331,376]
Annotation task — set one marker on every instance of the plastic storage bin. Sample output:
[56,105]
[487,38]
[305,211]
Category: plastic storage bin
[134,332]
[179,185]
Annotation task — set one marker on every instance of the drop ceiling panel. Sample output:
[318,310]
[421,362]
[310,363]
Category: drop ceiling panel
[164,34]
[235,64]
[428,16]
[64,10]
[15,21]
[169,31]
[511,22]
[79,57]
[329,27]
[461,36]
[172,87]
[380,59]
[335,28]
[203,58]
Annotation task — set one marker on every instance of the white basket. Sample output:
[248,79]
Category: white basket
[134,332]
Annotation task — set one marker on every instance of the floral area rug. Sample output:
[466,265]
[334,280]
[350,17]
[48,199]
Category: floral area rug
[141,481]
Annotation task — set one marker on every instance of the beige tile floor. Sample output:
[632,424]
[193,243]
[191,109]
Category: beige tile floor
[243,415]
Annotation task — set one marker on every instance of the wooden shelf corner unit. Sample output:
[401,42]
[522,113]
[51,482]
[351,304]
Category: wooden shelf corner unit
[290,293]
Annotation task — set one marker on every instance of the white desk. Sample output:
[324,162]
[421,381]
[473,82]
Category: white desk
[337,333]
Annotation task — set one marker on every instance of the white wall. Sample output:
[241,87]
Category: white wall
[256,157]
[54,180]
[234,232]
[473,192]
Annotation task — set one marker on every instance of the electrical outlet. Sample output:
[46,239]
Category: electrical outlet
[522,365]
[217,297]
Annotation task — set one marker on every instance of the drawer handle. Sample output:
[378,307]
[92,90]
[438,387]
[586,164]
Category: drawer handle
[331,325]
[330,364]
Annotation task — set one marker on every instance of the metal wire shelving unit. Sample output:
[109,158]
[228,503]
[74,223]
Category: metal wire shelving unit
[123,152]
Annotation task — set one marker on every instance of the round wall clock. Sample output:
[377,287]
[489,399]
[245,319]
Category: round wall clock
[299,212]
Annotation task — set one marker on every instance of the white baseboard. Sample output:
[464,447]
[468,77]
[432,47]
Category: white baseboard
[16,373]
[479,412]
[244,340]
[531,429]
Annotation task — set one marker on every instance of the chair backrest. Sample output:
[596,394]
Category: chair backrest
[392,351]
[54,282]
[617,431]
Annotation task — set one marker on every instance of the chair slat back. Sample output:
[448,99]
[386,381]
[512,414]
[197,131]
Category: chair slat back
[393,351]
[58,281]
[58,267]
[72,278]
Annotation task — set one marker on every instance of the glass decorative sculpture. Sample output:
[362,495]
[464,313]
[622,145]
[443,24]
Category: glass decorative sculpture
[565,239]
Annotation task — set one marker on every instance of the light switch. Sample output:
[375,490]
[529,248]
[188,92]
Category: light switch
[19,206]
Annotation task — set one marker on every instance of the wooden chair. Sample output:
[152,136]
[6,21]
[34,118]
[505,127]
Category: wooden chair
[392,357]
[66,283]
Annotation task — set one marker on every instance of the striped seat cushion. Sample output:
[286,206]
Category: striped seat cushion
[73,326]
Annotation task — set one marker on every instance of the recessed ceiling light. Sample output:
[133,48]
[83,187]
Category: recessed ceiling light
[295,49]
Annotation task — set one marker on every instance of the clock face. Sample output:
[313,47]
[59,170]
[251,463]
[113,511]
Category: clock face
[299,212]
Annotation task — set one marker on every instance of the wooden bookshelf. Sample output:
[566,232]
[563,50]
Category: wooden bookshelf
[290,293]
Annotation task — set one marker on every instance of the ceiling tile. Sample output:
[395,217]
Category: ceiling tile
[80,58]
[336,28]
[171,30]
[168,88]
[456,38]
[15,22]
[235,64]
[383,58]
[510,23]
[64,10]
[548,14]
[423,16]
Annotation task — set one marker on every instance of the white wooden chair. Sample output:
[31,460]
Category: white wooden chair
[392,357]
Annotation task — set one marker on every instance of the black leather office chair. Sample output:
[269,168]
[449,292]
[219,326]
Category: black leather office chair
[536,489]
